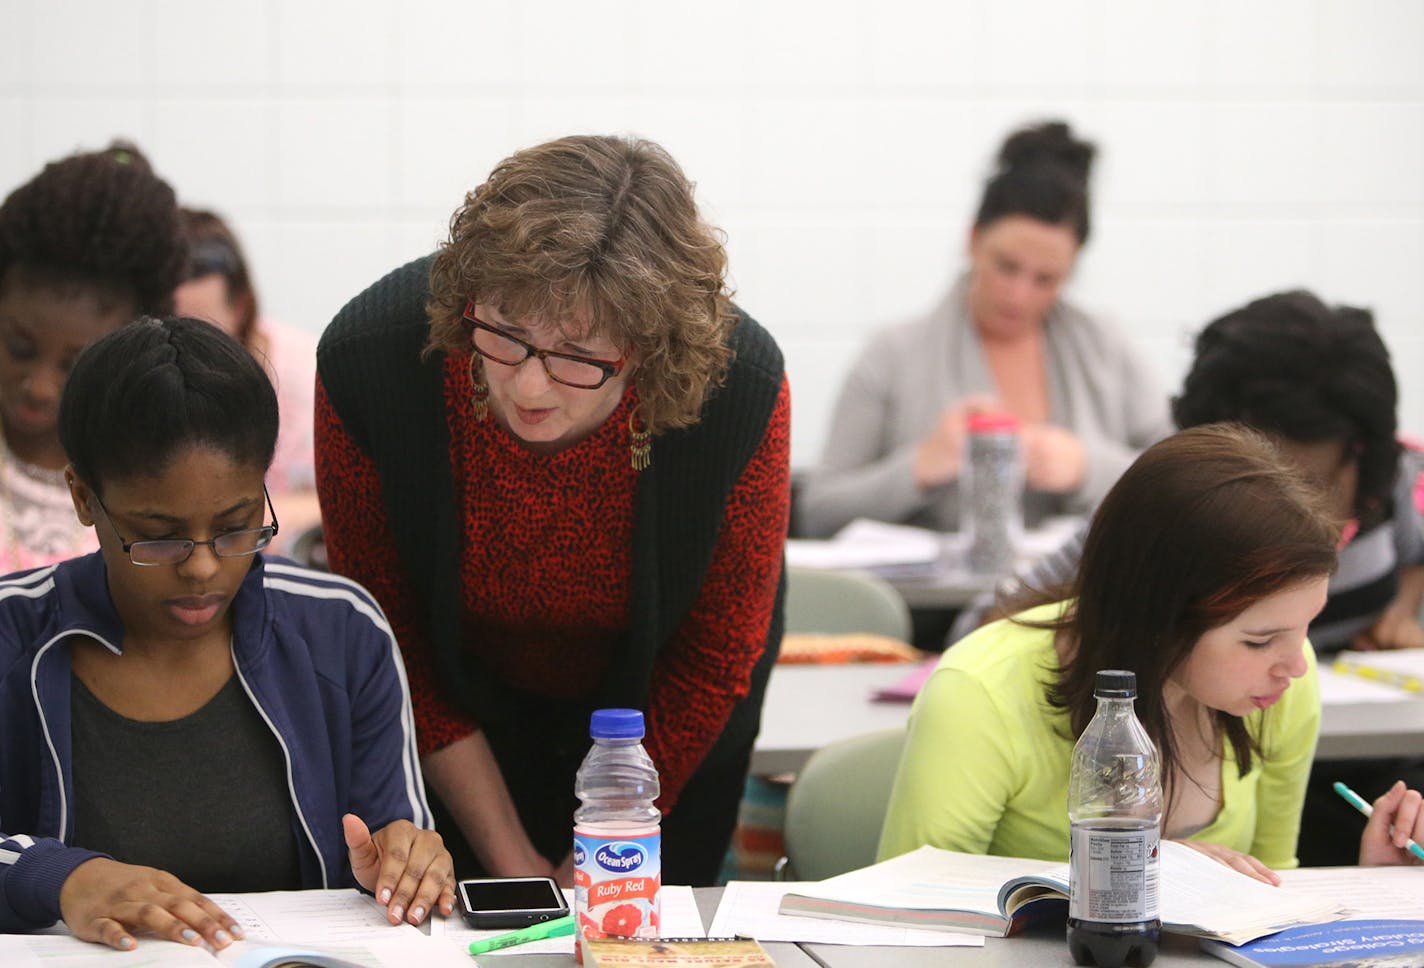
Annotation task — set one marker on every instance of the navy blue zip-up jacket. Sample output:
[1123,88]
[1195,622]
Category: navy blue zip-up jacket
[315,656]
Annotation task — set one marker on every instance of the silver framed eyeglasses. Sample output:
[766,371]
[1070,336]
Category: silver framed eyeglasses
[175,551]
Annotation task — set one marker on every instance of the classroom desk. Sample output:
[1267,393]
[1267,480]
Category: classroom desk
[947,585]
[1043,946]
[808,706]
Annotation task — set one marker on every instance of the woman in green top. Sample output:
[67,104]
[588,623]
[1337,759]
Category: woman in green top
[1201,570]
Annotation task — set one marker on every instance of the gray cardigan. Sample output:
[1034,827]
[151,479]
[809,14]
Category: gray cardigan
[1098,388]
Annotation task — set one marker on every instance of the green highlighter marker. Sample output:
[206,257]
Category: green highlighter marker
[535,932]
[1358,802]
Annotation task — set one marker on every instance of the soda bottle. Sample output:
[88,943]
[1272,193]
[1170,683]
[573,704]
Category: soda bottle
[1115,815]
[617,833]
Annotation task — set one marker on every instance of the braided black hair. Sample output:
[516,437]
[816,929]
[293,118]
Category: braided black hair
[99,220]
[151,389]
[1293,367]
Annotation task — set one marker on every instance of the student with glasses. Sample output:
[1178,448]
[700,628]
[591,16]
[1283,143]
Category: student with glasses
[558,456]
[178,713]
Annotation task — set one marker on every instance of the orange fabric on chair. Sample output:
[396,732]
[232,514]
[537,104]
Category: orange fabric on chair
[817,648]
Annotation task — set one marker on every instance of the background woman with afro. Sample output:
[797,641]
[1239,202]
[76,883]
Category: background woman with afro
[86,245]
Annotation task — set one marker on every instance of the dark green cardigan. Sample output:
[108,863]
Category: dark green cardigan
[391,403]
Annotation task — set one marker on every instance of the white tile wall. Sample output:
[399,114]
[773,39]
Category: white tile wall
[1245,147]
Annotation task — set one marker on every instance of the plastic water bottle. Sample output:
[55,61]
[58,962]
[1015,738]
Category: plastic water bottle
[1115,812]
[617,833]
[991,493]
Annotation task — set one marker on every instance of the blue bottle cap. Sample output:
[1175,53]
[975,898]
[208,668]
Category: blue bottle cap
[616,724]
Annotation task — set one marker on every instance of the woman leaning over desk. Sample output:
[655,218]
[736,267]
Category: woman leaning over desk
[1201,571]
[1002,338]
[558,455]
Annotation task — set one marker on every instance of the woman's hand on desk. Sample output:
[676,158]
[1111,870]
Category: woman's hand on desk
[109,902]
[1397,816]
[1237,861]
[407,868]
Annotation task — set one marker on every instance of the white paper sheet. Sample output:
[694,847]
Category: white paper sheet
[748,909]
[1343,688]
[1369,892]
[313,917]
[678,912]
[398,950]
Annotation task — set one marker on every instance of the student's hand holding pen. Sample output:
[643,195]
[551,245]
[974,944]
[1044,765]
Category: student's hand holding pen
[1396,819]
[407,868]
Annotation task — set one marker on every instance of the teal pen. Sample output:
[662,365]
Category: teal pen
[1356,801]
[535,932]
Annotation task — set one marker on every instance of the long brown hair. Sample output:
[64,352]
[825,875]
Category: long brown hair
[1203,525]
[602,230]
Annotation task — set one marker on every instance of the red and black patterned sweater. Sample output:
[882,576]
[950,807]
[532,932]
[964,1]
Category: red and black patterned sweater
[545,611]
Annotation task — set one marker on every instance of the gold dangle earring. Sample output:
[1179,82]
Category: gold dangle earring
[640,441]
[479,389]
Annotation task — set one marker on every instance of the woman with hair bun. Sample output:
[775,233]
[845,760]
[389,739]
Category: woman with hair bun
[86,245]
[1003,339]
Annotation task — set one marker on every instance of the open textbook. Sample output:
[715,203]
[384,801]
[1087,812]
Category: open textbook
[933,888]
[284,929]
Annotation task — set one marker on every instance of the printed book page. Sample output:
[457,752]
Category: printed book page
[928,879]
[749,909]
[1366,892]
[1199,895]
[341,924]
[66,951]
[313,917]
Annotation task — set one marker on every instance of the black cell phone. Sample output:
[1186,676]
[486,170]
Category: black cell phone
[510,902]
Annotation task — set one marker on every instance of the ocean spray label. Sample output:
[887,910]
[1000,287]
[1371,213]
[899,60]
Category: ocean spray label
[616,882]
[1113,874]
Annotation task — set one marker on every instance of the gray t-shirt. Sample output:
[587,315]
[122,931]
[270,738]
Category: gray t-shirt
[204,797]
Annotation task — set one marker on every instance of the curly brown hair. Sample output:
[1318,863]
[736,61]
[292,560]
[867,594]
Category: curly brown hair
[602,231]
[101,220]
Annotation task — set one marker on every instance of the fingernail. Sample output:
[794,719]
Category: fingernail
[397,912]
[236,930]
[416,913]
[190,936]
[126,943]
[222,937]
[385,895]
